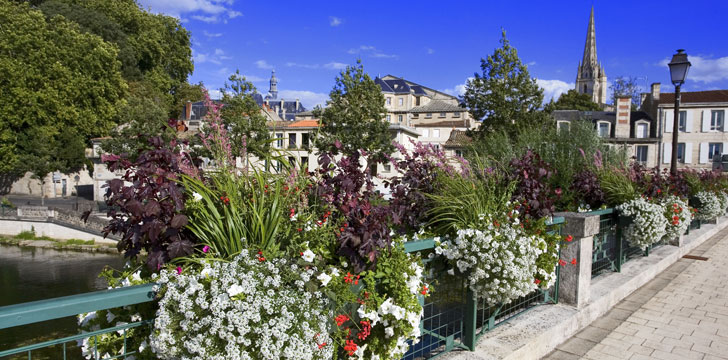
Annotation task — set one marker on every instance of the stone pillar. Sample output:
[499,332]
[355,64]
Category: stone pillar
[678,241]
[575,280]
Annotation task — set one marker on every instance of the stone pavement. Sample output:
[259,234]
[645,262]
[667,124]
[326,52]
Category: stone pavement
[681,314]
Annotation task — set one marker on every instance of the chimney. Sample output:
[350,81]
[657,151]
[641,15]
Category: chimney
[188,110]
[297,104]
[655,91]
[624,110]
[643,97]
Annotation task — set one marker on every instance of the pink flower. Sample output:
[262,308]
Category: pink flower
[179,270]
[205,249]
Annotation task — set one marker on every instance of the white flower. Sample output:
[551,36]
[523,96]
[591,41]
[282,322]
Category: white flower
[110,317]
[388,332]
[136,276]
[196,196]
[206,272]
[234,290]
[324,278]
[308,255]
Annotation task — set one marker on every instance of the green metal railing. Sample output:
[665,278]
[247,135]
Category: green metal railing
[605,249]
[50,309]
[453,318]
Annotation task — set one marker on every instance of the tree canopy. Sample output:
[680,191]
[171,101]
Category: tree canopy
[56,83]
[626,85]
[572,100]
[241,114]
[354,118]
[504,96]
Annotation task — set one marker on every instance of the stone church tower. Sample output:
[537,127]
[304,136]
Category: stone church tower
[273,91]
[590,77]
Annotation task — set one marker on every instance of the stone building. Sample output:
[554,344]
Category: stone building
[590,76]
[703,133]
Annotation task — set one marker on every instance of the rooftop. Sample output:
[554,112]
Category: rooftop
[711,96]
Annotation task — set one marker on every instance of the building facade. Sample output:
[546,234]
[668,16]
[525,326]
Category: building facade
[702,131]
[590,76]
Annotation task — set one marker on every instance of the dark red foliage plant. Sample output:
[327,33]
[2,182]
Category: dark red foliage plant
[147,204]
[533,189]
[345,186]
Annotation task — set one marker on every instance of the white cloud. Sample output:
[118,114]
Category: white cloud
[335,65]
[217,57]
[211,35]
[531,63]
[210,11]
[705,69]
[430,51]
[214,94]
[305,66]
[309,99]
[457,90]
[372,52]
[334,21]
[552,89]
[262,64]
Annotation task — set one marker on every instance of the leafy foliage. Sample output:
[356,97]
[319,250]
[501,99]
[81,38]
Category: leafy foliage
[66,81]
[148,213]
[617,187]
[241,114]
[626,86]
[572,100]
[587,189]
[354,118]
[504,94]
[531,175]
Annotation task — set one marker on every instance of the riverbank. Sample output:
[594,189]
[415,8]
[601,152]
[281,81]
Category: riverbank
[48,243]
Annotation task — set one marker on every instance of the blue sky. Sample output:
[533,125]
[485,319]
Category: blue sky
[439,44]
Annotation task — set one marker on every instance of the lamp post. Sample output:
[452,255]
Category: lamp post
[679,66]
[76,179]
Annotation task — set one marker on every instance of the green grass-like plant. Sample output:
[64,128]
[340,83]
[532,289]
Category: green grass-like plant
[617,187]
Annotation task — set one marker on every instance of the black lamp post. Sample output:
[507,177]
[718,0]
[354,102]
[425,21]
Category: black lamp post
[679,66]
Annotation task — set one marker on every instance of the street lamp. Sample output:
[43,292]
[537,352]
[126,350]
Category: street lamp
[76,178]
[679,66]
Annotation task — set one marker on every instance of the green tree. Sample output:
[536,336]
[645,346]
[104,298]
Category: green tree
[504,96]
[241,114]
[626,85]
[354,118]
[54,81]
[572,100]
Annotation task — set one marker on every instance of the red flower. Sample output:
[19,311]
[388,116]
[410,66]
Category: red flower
[496,223]
[366,329]
[340,319]
[424,290]
[562,262]
[569,238]
[659,191]
[320,346]
[350,347]
[299,229]
[356,281]
[348,278]
[537,281]
[675,218]
[573,261]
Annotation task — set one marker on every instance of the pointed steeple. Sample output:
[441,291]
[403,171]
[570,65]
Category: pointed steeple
[590,48]
[273,86]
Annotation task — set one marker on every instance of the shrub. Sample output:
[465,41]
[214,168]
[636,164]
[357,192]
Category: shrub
[149,211]
[708,205]
[244,309]
[678,215]
[617,187]
[532,175]
[587,189]
[647,222]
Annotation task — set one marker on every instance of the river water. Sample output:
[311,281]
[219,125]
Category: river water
[29,274]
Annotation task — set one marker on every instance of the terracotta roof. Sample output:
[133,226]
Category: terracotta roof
[711,96]
[446,124]
[458,138]
[304,123]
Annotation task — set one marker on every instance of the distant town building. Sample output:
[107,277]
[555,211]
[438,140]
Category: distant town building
[636,132]
[590,76]
[286,110]
[703,133]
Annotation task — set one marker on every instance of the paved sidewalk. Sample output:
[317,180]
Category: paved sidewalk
[681,314]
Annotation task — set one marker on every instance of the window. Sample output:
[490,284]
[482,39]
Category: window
[401,101]
[291,141]
[437,146]
[641,154]
[417,101]
[682,122]
[459,153]
[456,114]
[304,163]
[642,131]
[389,118]
[387,167]
[399,118]
[584,88]
[415,115]
[292,161]
[425,132]
[305,139]
[715,149]
[681,152]
[389,101]
[428,115]
[716,120]
[603,129]
[279,166]
[279,141]
[563,126]
[442,115]
[436,133]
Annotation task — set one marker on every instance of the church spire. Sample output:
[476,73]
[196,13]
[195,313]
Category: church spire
[273,86]
[590,48]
